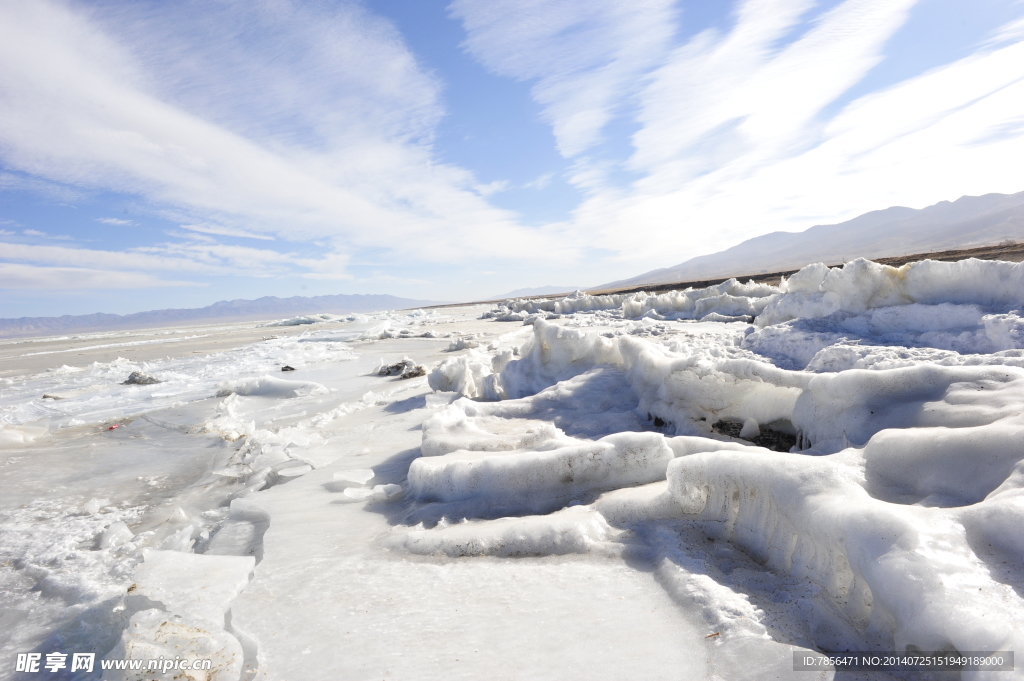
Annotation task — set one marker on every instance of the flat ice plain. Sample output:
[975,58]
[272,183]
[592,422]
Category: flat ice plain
[689,485]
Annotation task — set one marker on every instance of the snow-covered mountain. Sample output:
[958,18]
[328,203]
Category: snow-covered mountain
[968,221]
[261,308]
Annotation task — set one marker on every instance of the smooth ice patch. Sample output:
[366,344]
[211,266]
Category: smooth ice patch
[188,584]
[358,476]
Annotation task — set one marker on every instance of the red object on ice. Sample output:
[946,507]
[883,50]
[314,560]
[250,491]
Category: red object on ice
[113,427]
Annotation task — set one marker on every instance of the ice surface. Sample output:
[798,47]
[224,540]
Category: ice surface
[189,585]
[579,496]
[360,476]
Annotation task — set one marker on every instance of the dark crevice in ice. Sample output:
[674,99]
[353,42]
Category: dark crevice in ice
[769,438]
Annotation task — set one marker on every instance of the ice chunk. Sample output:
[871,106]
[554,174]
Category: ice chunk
[540,481]
[269,386]
[94,505]
[453,429]
[387,492]
[462,343]
[188,584]
[895,574]
[728,299]
[750,429]
[153,634]
[294,471]
[309,319]
[358,476]
[861,285]
[556,353]
[377,493]
[952,466]
[115,535]
[19,436]
[242,532]
[574,530]
[845,408]
[471,375]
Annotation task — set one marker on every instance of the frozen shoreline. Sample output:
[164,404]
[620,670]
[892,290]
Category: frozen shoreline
[551,500]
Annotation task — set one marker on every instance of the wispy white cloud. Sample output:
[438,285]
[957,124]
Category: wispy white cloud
[499,186]
[214,256]
[332,267]
[721,98]
[190,236]
[540,182]
[493,187]
[37,185]
[586,58]
[200,255]
[37,233]
[1009,32]
[98,259]
[311,122]
[34,277]
[115,221]
[226,231]
[199,258]
[738,134]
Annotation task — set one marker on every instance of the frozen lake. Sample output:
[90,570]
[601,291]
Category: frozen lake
[690,485]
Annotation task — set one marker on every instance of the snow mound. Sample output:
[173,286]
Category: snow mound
[463,343]
[268,386]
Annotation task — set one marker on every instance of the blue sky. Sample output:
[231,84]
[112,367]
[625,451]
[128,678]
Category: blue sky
[172,154]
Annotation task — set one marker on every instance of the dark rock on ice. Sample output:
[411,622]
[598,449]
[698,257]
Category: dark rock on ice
[404,369]
[139,378]
[287,368]
[414,371]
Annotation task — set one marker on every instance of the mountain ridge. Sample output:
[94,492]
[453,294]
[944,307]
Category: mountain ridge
[239,309]
[968,221]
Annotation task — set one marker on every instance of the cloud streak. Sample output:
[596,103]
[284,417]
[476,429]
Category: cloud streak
[736,129]
[585,58]
[303,123]
[30,277]
[226,231]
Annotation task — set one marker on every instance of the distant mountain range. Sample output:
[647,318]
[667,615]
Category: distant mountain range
[968,221]
[267,307]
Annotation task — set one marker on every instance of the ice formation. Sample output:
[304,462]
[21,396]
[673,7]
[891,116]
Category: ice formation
[875,506]
[727,474]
